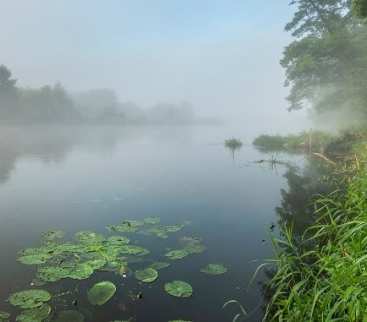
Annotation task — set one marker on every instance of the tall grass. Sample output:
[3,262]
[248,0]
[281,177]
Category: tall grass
[322,276]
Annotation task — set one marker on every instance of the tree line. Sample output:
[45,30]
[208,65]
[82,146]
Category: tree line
[54,104]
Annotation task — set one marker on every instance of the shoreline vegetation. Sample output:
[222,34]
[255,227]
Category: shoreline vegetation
[319,274]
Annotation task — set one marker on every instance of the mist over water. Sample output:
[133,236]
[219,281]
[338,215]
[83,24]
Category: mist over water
[120,111]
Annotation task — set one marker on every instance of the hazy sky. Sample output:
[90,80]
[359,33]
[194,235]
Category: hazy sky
[222,55]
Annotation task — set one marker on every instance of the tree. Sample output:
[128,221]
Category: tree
[360,8]
[8,94]
[326,66]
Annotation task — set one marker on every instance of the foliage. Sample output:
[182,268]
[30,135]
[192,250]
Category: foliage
[37,314]
[360,8]
[147,275]
[317,141]
[101,293]
[178,289]
[326,66]
[321,276]
[233,143]
[29,299]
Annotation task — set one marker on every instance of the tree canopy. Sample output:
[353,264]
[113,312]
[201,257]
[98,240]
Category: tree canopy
[326,65]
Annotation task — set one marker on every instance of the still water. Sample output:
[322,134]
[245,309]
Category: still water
[87,178]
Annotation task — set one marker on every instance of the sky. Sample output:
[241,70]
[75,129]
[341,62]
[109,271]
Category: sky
[221,55]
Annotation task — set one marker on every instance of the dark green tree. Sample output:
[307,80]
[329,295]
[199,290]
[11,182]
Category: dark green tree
[8,94]
[326,66]
[360,8]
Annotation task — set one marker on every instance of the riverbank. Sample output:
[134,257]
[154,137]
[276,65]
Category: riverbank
[321,275]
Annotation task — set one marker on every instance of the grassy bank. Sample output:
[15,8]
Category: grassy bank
[322,275]
[305,141]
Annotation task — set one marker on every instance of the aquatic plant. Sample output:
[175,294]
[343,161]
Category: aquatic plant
[4,316]
[69,316]
[29,299]
[159,265]
[214,269]
[320,276]
[101,293]
[152,220]
[191,246]
[242,311]
[147,275]
[37,314]
[178,289]
[233,143]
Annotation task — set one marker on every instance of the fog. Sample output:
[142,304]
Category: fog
[221,58]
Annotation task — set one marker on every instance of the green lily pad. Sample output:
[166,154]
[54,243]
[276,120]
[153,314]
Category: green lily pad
[134,250]
[147,275]
[52,274]
[101,293]
[117,240]
[4,316]
[36,259]
[53,235]
[89,237]
[29,299]
[177,254]
[80,272]
[69,316]
[214,269]
[174,228]
[178,289]
[127,226]
[159,265]
[152,220]
[37,314]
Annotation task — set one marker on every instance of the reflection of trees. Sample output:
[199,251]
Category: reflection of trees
[50,144]
[297,208]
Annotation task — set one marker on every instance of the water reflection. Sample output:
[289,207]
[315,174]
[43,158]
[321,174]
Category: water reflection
[297,208]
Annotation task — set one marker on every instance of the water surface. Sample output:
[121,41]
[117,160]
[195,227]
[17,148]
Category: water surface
[84,178]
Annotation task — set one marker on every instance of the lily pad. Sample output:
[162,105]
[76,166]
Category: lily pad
[69,316]
[29,299]
[133,250]
[159,265]
[4,316]
[117,240]
[152,220]
[88,237]
[37,314]
[53,235]
[101,293]
[36,259]
[147,275]
[177,254]
[127,226]
[178,289]
[214,269]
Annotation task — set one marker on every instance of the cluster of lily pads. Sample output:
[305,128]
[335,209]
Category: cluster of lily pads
[90,252]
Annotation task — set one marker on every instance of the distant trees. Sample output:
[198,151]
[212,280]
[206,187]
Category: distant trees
[55,104]
[326,65]
[46,104]
[8,94]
